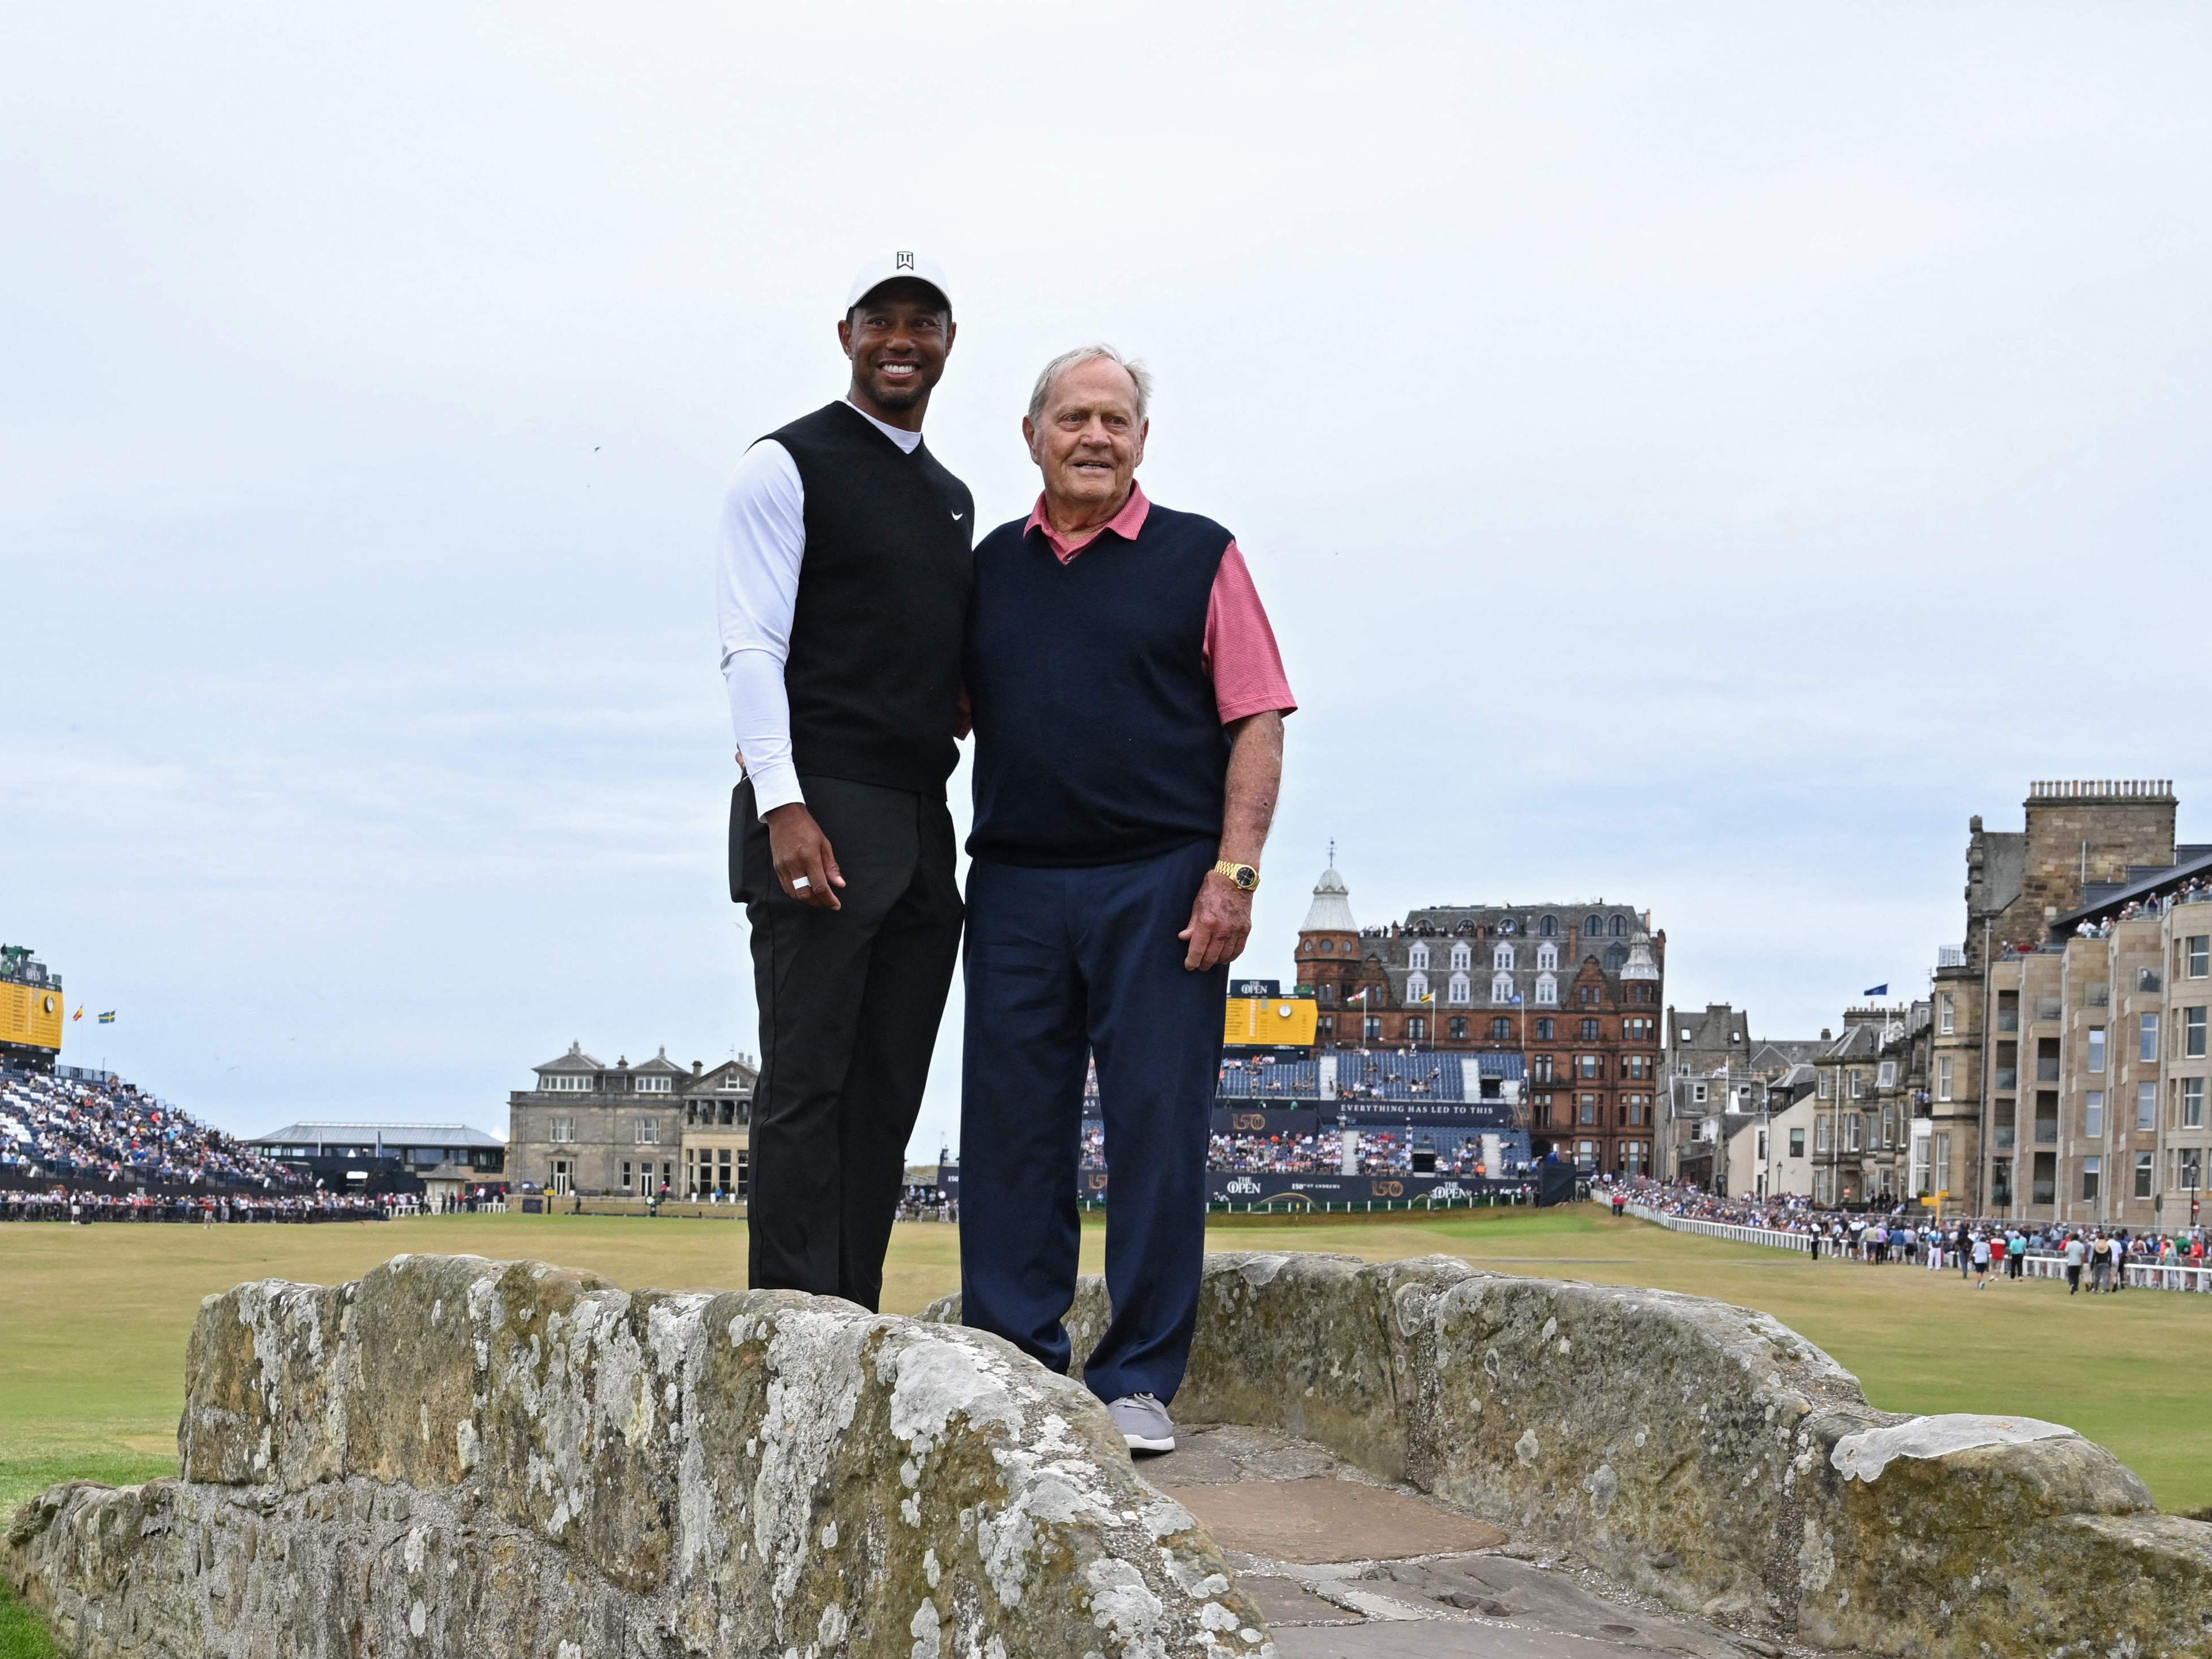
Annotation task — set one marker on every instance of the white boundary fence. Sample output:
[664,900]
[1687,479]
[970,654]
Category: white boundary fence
[2139,1275]
[1728,1230]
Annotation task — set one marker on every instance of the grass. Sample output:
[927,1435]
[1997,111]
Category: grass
[93,1321]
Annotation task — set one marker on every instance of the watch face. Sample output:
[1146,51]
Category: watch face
[1247,877]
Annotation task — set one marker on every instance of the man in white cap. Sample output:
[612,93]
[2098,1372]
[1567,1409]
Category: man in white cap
[845,572]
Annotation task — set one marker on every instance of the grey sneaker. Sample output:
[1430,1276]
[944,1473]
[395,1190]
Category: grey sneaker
[1144,1422]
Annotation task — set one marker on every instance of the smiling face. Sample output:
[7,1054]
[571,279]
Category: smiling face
[898,338]
[1087,441]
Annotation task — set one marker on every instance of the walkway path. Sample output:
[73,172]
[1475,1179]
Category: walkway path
[1347,1568]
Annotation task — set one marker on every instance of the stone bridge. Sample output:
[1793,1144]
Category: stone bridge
[460,1456]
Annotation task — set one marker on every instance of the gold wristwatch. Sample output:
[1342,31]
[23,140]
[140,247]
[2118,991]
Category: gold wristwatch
[1245,876]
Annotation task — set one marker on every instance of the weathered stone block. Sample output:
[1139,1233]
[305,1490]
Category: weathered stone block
[462,1456]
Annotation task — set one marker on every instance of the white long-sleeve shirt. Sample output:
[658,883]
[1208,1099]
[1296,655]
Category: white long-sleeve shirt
[763,542]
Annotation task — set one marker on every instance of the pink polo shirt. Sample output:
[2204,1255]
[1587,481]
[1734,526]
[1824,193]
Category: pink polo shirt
[1240,650]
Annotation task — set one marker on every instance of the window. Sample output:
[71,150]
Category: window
[1459,1028]
[649,1132]
[1547,958]
[2146,1036]
[1417,1028]
[1543,1065]
[2142,1175]
[1943,1078]
[1698,1094]
[625,1175]
[1824,1133]
[1547,991]
[1417,988]
[1371,1028]
[1616,958]
[1639,1065]
[1620,926]
[565,1083]
[1858,1084]
[1462,956]
[1549,927]
[2000,1182]
[1851,1133]
[1459,990]
[653,1083]
[1418,956]
[1328,944]
[1885,1077]
[1889,1126]
[2092,1168]
[2192,1172]
[1589,994]
[564,1177]
[1501,988]
[1797,1143]
[1545,1030]
[1501,959]
[2093,1114]
[1589,1030]
[1947,1014]
[1590,1066]
[2196,953]
[564,1128]
[1592,926]
[2096,1050]
[1326,1023]
[2146,1105]
[1501,1028]
[1586,1110]
[1827,1081]
[1328,993]
[2192,1033]
[2192,1102]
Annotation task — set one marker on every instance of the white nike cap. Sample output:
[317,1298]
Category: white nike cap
[890,267]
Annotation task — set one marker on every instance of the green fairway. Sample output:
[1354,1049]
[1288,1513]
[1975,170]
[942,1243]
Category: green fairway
[92,1320]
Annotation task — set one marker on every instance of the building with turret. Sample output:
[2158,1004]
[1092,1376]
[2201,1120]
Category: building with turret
[1575,988]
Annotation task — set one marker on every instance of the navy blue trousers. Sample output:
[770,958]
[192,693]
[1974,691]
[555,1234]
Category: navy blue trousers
[1062,964]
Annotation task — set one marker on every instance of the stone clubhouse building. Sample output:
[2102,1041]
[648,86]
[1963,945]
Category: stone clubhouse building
[624,1131]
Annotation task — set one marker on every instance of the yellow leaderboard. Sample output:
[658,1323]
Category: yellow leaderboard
[31,1014]
[1269,1022]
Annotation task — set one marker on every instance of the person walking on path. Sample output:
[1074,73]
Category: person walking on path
[2076,1253]
[1980,1253]
[1128,704]
[845,571]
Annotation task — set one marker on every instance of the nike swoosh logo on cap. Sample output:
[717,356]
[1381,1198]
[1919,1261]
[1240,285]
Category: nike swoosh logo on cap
[957,516]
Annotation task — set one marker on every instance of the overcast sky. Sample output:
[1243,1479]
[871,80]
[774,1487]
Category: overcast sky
[1695,456]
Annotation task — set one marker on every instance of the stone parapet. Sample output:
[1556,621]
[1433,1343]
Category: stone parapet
[460,1456]
[1700,1453]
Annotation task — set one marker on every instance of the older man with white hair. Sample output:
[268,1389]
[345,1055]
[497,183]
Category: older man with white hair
[1128,704]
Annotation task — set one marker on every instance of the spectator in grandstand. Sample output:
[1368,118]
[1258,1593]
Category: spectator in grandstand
[1124,786]
[844,583]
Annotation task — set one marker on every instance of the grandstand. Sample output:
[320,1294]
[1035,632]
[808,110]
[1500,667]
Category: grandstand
[91,1128]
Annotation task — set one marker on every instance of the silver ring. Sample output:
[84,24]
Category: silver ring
[798,882]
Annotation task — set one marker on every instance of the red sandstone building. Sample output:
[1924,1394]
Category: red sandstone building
[1576,988]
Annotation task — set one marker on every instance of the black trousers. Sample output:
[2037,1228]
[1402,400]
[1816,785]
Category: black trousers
[849,1001]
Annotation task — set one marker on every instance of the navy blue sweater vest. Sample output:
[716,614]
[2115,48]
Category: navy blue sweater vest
[1097,737]
[874,674]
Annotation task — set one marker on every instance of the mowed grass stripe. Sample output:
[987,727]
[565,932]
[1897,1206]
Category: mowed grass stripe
[92,1320]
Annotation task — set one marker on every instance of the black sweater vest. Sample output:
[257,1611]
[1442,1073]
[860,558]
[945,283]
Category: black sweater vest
[1097,737]
[874,674]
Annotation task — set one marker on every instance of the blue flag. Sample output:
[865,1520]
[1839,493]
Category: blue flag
[1882,990]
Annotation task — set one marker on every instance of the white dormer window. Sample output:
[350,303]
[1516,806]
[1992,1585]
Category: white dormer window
[565,1083]
[1462,957]
[1547,991]
[1417,986]
[1461,991]
[1547,958]
[1501,988]
[1418,956]
[652,1083]
[1501,959]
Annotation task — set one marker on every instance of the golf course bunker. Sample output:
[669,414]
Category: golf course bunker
[456,1456]
[1698,1456]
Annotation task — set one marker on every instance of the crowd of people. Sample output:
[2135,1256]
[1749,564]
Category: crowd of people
[84,1207]
[2195,891]
[1988,1250]
[76,1131]
[1381,1152]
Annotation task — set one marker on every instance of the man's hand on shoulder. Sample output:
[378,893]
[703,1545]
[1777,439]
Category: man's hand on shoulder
[804,863]
[1220,922]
